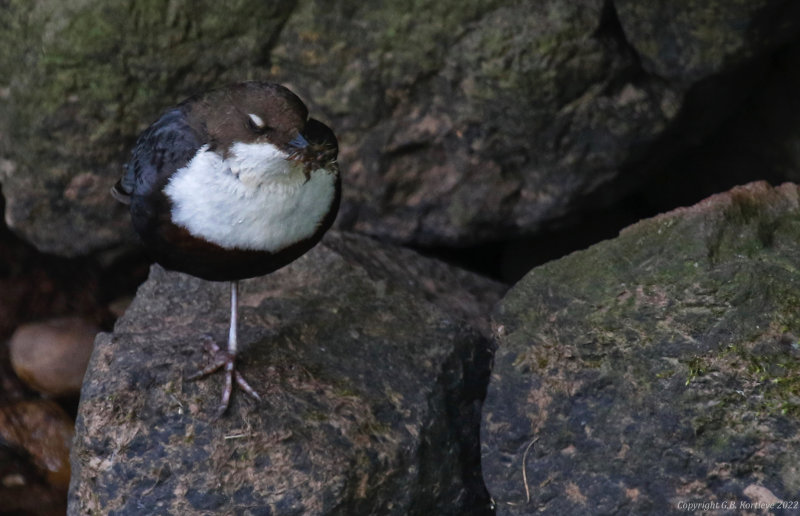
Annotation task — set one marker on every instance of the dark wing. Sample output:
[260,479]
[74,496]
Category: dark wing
[164,147]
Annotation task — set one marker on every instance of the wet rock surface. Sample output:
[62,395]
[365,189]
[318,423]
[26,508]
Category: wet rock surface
[655,368]
[371,378]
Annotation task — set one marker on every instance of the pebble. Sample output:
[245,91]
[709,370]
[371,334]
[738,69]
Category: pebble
[51,356]
[44,431]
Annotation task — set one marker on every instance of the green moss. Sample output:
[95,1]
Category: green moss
[696,366]
[771,379]
[416,34]
[100,66]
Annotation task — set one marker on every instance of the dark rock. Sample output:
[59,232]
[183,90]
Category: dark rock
[372,362]
[82,78]
[495,117]
[683,42]
[22,491]
[51,356]
[11,387]
[656,368]
[459,123]
[758,141]
[36,286]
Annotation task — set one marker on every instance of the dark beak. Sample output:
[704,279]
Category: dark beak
[299,142]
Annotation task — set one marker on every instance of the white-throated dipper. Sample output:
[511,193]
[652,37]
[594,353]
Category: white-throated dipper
[231,184]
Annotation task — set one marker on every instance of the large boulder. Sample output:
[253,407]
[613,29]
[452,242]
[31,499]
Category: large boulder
[81,78]
[758,141]
[372,363]
[687,41]
[460,122]
[655,370]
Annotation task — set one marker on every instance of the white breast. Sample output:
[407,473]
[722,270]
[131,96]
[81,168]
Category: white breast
[254,200]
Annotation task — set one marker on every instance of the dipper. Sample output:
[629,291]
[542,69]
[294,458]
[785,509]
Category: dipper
[231,184]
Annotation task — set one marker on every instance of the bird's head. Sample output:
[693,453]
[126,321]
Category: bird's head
[268,115]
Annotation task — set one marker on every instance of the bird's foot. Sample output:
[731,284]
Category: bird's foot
[224,360]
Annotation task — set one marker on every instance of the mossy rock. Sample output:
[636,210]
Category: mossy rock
[81,78]
[659,367]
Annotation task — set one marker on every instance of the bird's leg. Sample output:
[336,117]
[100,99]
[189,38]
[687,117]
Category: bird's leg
[230,369]
[227,359]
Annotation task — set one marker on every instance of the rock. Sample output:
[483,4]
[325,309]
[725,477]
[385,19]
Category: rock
[476,122]
[499,116]
[372,363]
[82,78]
[51,356]
[690,41]
[37,286]
[756,142]
[657,368]
[34,458]
[10,385]
[44,431]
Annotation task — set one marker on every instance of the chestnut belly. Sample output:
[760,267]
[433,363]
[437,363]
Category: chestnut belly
[175,249]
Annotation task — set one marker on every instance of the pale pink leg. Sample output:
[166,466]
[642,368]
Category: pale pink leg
[227,359]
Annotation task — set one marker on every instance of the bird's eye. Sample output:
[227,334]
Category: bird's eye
[257,124]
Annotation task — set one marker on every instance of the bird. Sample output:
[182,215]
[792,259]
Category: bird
[230,184]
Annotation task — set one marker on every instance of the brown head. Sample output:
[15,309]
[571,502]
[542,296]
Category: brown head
[256,112]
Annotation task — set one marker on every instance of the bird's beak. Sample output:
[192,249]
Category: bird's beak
[299,142]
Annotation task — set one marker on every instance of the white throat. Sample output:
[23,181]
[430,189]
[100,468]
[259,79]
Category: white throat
[255,199]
